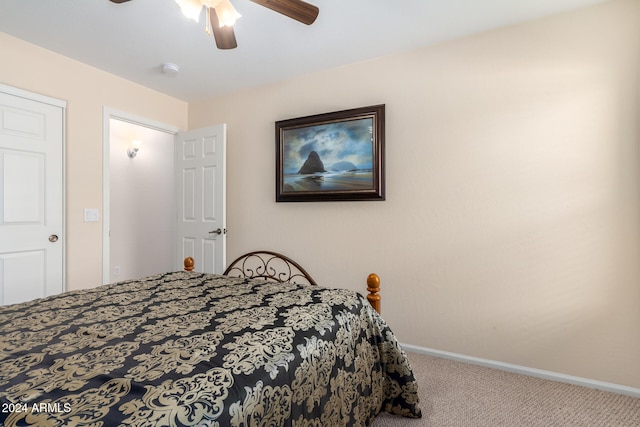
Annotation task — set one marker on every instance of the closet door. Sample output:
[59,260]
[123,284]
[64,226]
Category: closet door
[31,196]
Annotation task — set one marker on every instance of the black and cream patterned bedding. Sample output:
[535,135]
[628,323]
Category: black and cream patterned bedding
[203,350]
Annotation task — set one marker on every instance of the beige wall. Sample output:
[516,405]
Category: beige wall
[87,91]
[511,226]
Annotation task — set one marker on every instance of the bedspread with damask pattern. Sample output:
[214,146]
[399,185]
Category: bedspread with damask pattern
[201,350]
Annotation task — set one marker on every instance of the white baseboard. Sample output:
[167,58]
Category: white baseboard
[538,373]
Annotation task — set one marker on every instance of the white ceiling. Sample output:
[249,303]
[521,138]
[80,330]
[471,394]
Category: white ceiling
[133,39]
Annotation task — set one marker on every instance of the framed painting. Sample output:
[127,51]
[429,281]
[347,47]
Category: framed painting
[331,156]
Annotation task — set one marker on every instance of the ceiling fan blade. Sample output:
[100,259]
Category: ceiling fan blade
[119,1]
[295,9]
[225,36]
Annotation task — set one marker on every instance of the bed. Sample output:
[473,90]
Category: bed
[187,348]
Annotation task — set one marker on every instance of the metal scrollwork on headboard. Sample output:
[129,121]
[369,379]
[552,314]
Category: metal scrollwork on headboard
[269,266]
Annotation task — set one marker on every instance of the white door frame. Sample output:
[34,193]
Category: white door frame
[108,114]
[62,105]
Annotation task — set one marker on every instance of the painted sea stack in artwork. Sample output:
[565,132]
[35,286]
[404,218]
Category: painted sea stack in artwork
[313,164]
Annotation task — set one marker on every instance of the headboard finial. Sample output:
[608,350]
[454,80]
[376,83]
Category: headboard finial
[189,263]
[373,286]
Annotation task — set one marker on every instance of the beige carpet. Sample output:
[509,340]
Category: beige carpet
[460,394]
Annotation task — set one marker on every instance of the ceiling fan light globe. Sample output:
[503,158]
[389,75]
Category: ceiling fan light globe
[227,14]
[190,8]
[210,3]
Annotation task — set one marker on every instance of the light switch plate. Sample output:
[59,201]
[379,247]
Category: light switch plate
[91,215]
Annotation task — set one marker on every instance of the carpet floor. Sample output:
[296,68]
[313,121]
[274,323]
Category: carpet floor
[459,394]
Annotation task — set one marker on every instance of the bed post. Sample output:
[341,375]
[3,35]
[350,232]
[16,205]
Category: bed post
[373,286]
[188,264]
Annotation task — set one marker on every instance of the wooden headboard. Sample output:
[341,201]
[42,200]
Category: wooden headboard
[373,284]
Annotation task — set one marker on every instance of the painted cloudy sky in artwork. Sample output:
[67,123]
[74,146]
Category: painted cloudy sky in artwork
[349,141]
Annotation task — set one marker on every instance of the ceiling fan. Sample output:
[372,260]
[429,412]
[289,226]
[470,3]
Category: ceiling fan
[221,15]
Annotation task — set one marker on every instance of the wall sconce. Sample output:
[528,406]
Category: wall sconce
[132,151]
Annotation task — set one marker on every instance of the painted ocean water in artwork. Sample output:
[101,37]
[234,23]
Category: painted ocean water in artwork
[330,181]
[329,157]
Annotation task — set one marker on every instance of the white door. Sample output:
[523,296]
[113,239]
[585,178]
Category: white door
[201,197]
[31,196]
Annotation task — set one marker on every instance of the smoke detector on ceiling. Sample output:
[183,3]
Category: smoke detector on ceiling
[170,69]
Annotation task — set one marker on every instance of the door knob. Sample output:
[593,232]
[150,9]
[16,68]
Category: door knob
[53,238]
[218,231]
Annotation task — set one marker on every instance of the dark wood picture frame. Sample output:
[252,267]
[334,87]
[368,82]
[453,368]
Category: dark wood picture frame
[336,156]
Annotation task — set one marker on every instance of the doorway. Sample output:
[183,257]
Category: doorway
[164,197]
[138,198]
